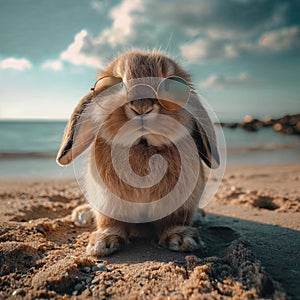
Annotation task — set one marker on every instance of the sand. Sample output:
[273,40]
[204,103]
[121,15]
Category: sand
[251,232]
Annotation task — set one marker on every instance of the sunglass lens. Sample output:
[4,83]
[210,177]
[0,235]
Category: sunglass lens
[111,84]
[173,93]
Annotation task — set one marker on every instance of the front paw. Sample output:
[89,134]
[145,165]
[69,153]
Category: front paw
[103,243]
[83,215]
[181,238]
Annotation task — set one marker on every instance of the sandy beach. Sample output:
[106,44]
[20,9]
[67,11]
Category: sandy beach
[251,232]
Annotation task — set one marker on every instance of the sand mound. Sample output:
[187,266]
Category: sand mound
[16,257]
[62,276]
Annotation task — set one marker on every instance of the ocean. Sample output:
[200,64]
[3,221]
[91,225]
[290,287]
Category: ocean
[28,148]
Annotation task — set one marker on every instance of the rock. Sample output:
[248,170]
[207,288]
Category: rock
[95,280]
[87,269]
[251,124]
[288,124]
[79,287]
[277,127]
[233,125]
[88,280]
[288,130]
[268,122]
[160,294]
[19,292]
[100,267]
[248,119]
[177,294]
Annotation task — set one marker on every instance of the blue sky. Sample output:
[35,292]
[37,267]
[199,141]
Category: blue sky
[243,54]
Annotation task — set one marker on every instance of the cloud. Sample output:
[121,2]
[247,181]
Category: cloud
[206,49]
[19,64]
[124,18]
[220,82]
[276,41]
[87,50]
[79,52]
[283,39]
[194,30]
[100,5]
[54,65]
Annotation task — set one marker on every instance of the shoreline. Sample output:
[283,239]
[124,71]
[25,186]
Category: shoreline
[233,149]
[71,176]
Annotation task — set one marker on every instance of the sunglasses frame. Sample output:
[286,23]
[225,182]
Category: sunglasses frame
[93,89]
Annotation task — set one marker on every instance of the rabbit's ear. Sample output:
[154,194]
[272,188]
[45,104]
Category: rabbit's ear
[79,132]
[204,135]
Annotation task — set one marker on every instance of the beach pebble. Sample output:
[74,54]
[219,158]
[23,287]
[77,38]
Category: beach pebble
[79,287]
[87,269]
[100,267]
[40,229]
[95,280]
[19,292]
[88,280]
[178,294]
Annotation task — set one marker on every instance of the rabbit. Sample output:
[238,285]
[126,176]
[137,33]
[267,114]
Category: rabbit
[173,231]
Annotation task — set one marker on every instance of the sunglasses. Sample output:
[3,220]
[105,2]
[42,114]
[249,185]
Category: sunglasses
[172,93]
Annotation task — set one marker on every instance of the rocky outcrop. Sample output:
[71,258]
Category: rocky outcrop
[288,124]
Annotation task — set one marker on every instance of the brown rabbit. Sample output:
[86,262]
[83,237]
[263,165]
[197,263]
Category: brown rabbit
[93,125]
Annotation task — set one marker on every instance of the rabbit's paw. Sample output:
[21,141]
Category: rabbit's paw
[181,238]
[83,215]
[104,243]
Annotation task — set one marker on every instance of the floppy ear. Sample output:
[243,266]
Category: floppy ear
[80,130]
[78,134]
[204,134]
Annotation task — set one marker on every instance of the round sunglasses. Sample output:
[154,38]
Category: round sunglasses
[172,93]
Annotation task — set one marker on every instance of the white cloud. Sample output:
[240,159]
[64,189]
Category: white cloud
[92,51]
[198,33]
[197,49]
[100,6]
[282,39]
[123,21]
[75,52]
[54,65]
[19,64]
[222,81]
[205,49]
[276,41]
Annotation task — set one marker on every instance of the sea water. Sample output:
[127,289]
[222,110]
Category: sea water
[28,148]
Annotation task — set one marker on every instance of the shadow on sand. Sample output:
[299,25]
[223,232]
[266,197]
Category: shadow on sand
[277,248]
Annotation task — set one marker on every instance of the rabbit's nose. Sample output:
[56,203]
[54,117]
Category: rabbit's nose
[141,106]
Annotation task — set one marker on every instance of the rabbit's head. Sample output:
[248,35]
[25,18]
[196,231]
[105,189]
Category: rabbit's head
[152,96]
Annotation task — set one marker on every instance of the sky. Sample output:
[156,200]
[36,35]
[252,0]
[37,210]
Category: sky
[244,55]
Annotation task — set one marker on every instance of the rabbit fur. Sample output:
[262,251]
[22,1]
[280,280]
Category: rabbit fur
[173,231]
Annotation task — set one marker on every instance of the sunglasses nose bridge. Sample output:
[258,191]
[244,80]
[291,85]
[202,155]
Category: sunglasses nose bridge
[141,91]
